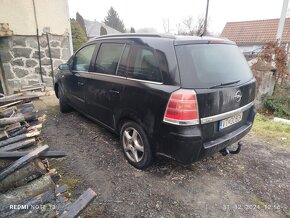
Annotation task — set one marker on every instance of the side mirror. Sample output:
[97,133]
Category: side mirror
[63,67]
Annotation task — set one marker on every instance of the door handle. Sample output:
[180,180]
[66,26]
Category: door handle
[81,84]
[114,91]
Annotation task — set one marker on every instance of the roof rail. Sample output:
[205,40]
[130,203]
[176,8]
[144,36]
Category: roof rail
[133,35]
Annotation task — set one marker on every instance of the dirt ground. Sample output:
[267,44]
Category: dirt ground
[255,183]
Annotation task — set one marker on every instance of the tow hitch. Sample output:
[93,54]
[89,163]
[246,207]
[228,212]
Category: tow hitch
[226,151]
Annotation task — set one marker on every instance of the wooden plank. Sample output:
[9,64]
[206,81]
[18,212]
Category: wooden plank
[18,154]
[61,189]
[24,98]
[19,138]
[10,104]
[22,161]
[80,204]
[18,145]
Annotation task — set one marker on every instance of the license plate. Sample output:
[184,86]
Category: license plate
[230,121]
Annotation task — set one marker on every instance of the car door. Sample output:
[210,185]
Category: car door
[104,86]
[77,78]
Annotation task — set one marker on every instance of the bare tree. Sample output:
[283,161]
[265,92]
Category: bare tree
[166,25]
[188,23]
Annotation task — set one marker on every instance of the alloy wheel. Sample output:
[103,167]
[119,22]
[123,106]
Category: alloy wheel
[133,145]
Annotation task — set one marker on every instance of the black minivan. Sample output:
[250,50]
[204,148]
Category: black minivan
[183,97]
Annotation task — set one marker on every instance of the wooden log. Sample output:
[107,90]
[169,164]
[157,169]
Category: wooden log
[19,118]
[46,197]
[24,175]
[23,105]
[7,112]
[19,137]
[11,127]
[25,98]
[22,161]
[18,154]
[80,204]
[11,104]
[26,192]
[18,145]
[19,131]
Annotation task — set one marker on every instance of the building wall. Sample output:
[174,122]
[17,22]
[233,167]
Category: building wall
[20,16]
[19,53]
[19,56]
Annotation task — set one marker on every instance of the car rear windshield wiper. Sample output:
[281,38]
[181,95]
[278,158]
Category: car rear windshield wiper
[225,84]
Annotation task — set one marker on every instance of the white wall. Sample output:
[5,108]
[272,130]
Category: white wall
[20,16]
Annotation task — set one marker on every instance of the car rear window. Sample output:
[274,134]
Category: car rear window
[208,65]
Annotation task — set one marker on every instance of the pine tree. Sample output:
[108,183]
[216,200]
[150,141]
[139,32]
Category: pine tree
[132,30]
[78,35]
[81,22]
[112,20]
[103,31]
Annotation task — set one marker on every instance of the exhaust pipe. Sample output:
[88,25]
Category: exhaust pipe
[226,151]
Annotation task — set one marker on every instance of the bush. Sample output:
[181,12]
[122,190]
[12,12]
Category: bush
[279,103]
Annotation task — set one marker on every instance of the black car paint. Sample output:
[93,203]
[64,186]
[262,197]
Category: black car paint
[109,100]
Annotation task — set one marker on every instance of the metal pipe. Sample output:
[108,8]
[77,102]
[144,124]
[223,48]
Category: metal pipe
[49,53]
[38,44]
[205,19]
[282,21]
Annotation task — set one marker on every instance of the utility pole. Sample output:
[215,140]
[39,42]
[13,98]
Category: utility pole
[205,19]
[282,21]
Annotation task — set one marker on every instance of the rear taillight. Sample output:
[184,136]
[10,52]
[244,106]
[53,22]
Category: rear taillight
[182,108]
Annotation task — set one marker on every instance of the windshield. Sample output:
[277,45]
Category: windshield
[208,65]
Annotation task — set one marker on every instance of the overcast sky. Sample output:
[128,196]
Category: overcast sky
[151,13]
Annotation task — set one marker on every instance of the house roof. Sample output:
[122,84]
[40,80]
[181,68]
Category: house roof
[93,28]
[256,31]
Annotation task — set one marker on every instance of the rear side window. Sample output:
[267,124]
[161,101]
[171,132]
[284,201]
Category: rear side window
[108,58]
[144,65]
[207,65]
[82,58]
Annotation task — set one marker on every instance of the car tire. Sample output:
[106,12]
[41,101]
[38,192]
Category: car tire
[63,105]
[135,145]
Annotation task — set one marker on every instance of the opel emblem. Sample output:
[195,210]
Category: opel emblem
[238,96]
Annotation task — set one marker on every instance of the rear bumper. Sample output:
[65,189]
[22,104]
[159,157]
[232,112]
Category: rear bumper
[185,144]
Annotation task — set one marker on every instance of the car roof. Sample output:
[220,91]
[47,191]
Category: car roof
[178,39]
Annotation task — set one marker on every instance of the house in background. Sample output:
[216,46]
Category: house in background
[250,36]
[94,29]
[19,47]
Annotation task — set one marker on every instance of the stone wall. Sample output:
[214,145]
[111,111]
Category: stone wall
[20,59]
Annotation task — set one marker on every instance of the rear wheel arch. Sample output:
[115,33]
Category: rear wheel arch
[56,87]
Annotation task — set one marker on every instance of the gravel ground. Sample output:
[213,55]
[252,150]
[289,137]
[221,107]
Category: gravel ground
[255,183]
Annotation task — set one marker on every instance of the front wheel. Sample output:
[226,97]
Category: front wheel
[63,105]
[135,145]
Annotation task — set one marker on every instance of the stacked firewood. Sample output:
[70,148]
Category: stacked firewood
[27,184]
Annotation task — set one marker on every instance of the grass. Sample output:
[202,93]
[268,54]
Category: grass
[259,203]
[288,214]
[271,130]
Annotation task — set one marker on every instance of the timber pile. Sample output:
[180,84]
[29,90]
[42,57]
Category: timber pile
[27,184]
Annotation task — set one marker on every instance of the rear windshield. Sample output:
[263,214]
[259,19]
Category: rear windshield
[208,65]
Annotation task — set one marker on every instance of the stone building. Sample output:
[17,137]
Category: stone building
[19,47]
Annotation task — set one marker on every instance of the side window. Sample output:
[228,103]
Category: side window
[145,65]
[122,70]
[82,59]
[108,58]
